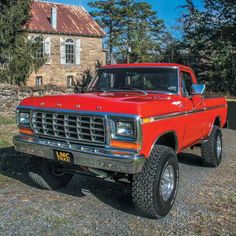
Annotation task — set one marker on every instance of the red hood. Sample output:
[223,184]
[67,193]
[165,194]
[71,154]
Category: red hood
[134,103]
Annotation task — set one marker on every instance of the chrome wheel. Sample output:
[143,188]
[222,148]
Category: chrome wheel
[218,147]
[167,182]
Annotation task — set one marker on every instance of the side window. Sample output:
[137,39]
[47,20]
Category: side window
[186,84]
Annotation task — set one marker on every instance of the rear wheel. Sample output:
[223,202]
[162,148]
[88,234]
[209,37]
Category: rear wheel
[47,174]
[212,150]
[154,189]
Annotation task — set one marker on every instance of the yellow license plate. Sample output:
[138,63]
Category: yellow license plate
[63,156]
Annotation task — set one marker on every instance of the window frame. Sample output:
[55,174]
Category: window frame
[40,78]
[182,73]
[70,57]
[70,81]
[178,92]
[40,54]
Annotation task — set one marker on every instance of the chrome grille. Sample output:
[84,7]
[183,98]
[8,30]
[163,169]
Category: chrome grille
[78,128]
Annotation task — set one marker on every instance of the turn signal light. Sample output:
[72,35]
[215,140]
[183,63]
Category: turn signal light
[125,145]
[147,120]
[26,131]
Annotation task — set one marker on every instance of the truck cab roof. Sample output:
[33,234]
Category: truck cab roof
[146,65]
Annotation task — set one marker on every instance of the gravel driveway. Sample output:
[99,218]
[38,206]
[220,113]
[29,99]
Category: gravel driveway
[206,202]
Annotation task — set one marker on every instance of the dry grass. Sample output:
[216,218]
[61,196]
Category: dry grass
[231,99]
[7,130]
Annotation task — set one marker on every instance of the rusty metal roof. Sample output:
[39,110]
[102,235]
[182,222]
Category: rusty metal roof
[71,20]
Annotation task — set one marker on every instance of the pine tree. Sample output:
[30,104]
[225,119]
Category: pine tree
[17,52]
[107,14]
[142,32]
[209,36]
[133,29]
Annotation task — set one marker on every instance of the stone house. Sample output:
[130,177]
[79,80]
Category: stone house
[71,41]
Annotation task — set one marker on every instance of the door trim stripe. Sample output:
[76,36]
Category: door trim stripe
[177,114]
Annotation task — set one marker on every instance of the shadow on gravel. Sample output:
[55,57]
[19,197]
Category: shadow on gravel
[190,159]
[115,195]
[15,165]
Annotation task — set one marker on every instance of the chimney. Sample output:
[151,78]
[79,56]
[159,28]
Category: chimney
[54,18]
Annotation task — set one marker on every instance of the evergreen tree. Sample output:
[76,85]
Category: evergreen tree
[17,52]
[142,32]
[172,50]
[209,37]
[107,14]
[134,31]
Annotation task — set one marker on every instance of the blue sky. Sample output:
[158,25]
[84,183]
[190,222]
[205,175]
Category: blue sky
[166,9]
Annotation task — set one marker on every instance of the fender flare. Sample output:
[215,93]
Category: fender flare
[213,123]
[172,132]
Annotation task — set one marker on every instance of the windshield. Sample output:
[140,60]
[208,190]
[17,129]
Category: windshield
[139,79]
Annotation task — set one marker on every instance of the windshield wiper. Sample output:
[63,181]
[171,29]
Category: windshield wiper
[135,89]
[105,90]
[96,89]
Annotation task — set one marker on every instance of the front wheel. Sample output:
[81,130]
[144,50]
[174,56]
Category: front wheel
[47,175]
[154,189]
[212,150]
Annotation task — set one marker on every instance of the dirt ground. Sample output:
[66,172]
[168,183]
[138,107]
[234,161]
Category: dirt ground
[205,205]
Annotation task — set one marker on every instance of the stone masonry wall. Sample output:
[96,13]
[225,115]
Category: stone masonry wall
[10,96]
[56,73]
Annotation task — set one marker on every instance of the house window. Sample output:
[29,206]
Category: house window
[70,51]
[39,81]
[70,80]
[39,42]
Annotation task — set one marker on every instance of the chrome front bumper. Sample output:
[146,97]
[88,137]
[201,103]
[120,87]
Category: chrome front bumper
[101,158]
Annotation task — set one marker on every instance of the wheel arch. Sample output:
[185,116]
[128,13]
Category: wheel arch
[168,139]
[217,121]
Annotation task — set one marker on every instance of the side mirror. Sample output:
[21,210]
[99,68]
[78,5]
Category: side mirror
[198,89]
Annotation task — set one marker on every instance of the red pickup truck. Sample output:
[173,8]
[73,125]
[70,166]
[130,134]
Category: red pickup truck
[128,125]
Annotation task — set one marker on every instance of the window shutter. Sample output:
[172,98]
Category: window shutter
[47,49]
[62,51]
[77,51]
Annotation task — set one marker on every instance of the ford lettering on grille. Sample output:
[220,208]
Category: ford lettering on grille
[78,128]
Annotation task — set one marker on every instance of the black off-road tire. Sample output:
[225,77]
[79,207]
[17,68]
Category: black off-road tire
[44,174]
[146,190]
[209,149]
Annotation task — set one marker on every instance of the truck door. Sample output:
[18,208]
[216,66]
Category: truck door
[194,107]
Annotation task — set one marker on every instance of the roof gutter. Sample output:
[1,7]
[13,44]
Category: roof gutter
[61,33]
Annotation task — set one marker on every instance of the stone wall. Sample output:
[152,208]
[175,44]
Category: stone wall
[53,72]
[10,96]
